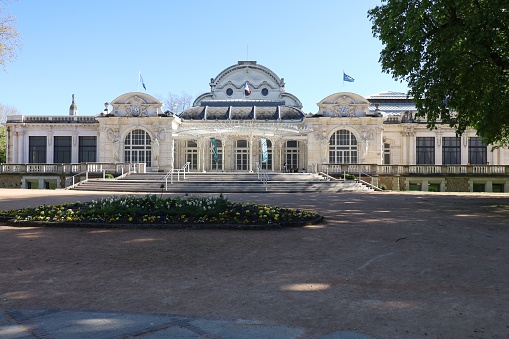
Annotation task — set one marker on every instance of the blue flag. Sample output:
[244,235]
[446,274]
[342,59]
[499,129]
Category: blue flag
[347,78]
[142,83]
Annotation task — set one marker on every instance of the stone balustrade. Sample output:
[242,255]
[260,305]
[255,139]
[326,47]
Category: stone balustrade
[373,169]
[67,169]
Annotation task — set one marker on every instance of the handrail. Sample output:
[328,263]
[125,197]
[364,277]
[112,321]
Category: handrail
[376,188]
[372,185]
[328,177]
[263,174]
[73,185]
[176,170]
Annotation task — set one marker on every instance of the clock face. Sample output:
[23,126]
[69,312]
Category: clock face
[344,110]
[136,111]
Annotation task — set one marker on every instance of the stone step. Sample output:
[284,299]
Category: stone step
[222,176]
[211,186]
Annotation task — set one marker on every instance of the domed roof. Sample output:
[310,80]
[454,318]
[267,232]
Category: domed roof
[246,91]
[242,110]
[248,80]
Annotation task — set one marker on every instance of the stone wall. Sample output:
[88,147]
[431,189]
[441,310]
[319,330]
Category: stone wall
[10,180]
[458,185]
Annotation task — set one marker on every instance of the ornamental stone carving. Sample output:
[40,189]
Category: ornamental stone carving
[136,108]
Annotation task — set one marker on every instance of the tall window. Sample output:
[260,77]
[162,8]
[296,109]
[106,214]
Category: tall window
[242,155]
[292,155]
[87,151]
[387,154]
[37,150]
[477,151]
[451,151]
[425,149]
[343,148]
[62,148]
[137,147]
[192,154]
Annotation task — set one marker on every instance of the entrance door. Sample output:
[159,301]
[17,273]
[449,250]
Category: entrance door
[292,155]
[192,154]
[241,155]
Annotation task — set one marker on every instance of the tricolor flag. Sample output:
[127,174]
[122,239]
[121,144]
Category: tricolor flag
[347,78]
[142,83]
[247,90]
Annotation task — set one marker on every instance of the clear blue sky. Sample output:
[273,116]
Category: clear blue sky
[95,49]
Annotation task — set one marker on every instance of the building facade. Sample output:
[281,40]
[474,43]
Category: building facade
[248,121]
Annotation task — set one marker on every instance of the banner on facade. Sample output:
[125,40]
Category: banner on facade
[265,154]
[214,149]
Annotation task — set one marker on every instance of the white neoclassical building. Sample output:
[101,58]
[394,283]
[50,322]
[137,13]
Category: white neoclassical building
[248,121]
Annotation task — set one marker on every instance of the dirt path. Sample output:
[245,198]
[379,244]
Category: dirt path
[384,264]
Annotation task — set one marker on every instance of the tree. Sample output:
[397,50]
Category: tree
[4,112]
[177,103]
[455,57]
[10,39]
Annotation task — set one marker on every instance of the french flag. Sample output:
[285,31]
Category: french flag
[246,88]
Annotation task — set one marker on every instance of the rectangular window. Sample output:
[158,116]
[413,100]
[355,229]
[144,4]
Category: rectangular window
[37,150]
[387,154]
[477,151]
[425,149]
[451,151]
[87,149]
[62,148]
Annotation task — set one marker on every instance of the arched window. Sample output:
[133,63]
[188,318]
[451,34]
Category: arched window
[137,147]
[343,148]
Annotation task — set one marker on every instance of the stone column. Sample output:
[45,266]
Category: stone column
[172,153]
[251,155]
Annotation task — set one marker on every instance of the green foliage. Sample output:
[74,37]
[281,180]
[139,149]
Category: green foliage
[109,176]
[3,141]
[349,176]
[454,56]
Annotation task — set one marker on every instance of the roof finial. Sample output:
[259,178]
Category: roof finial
[73,110]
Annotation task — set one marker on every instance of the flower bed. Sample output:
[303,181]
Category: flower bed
[161,212]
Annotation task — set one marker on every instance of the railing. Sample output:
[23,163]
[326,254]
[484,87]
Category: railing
[262,175]
[373,169]
[183,170]
[67,169]
[326,176]
[123,168]
[73,182]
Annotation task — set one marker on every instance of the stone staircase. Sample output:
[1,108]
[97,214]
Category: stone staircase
[233,182]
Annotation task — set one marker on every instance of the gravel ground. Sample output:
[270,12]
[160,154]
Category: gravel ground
[387,264]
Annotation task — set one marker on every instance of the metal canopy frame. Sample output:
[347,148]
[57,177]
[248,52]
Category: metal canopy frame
[242,128]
